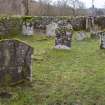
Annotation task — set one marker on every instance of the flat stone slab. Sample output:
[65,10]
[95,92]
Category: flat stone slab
[62,47]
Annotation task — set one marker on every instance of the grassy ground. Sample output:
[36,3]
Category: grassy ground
[75,77]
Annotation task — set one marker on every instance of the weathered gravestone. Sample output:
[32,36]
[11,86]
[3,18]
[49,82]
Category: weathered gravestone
[80,36]
[50,29]
[95,32]
[95,35]
[15,62]
[27,29]
[102,38]
[63,36]
[89,23]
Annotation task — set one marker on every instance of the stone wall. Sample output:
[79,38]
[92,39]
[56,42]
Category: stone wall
[100,21]
[13,25]
[10,25]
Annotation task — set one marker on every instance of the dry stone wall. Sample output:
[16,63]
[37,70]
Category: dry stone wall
[13,25]
[10,25]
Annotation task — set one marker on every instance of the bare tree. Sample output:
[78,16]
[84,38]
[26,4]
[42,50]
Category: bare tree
[63,6]
[41,7]
[44,7]
[76,4]
[26,7]
[68,7]
[81,5]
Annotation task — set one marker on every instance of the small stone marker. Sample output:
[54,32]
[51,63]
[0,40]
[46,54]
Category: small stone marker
[27,29]
[50,29]
[102,38]
[63,36]
[15,62]
[81,36]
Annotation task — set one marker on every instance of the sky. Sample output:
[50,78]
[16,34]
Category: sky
[97,3]
[88,3]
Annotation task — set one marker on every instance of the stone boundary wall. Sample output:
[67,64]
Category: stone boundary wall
[13,25]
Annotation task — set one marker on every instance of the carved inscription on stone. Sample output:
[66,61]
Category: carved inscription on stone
[15,61]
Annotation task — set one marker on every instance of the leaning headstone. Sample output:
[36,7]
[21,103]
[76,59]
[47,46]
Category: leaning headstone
[27,29]
[80,36]
[63,36]
[15,62]
[102,38]
[50,29]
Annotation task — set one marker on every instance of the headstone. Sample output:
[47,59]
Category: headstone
[95,35]
[63,36]
[50,29]
[89,23]
[95,32]
[27,29]
[102,38]
[15,62]
[81,36]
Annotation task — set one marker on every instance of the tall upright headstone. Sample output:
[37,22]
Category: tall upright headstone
[89,23]
[15,62]
[63,36]
[27,28]
[50,29]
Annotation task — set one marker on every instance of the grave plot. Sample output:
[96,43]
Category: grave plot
[15,62]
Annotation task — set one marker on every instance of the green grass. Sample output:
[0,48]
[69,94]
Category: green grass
[75,77]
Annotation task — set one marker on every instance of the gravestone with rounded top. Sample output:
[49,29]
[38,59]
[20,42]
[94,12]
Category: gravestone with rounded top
[15,62]
[50,29]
